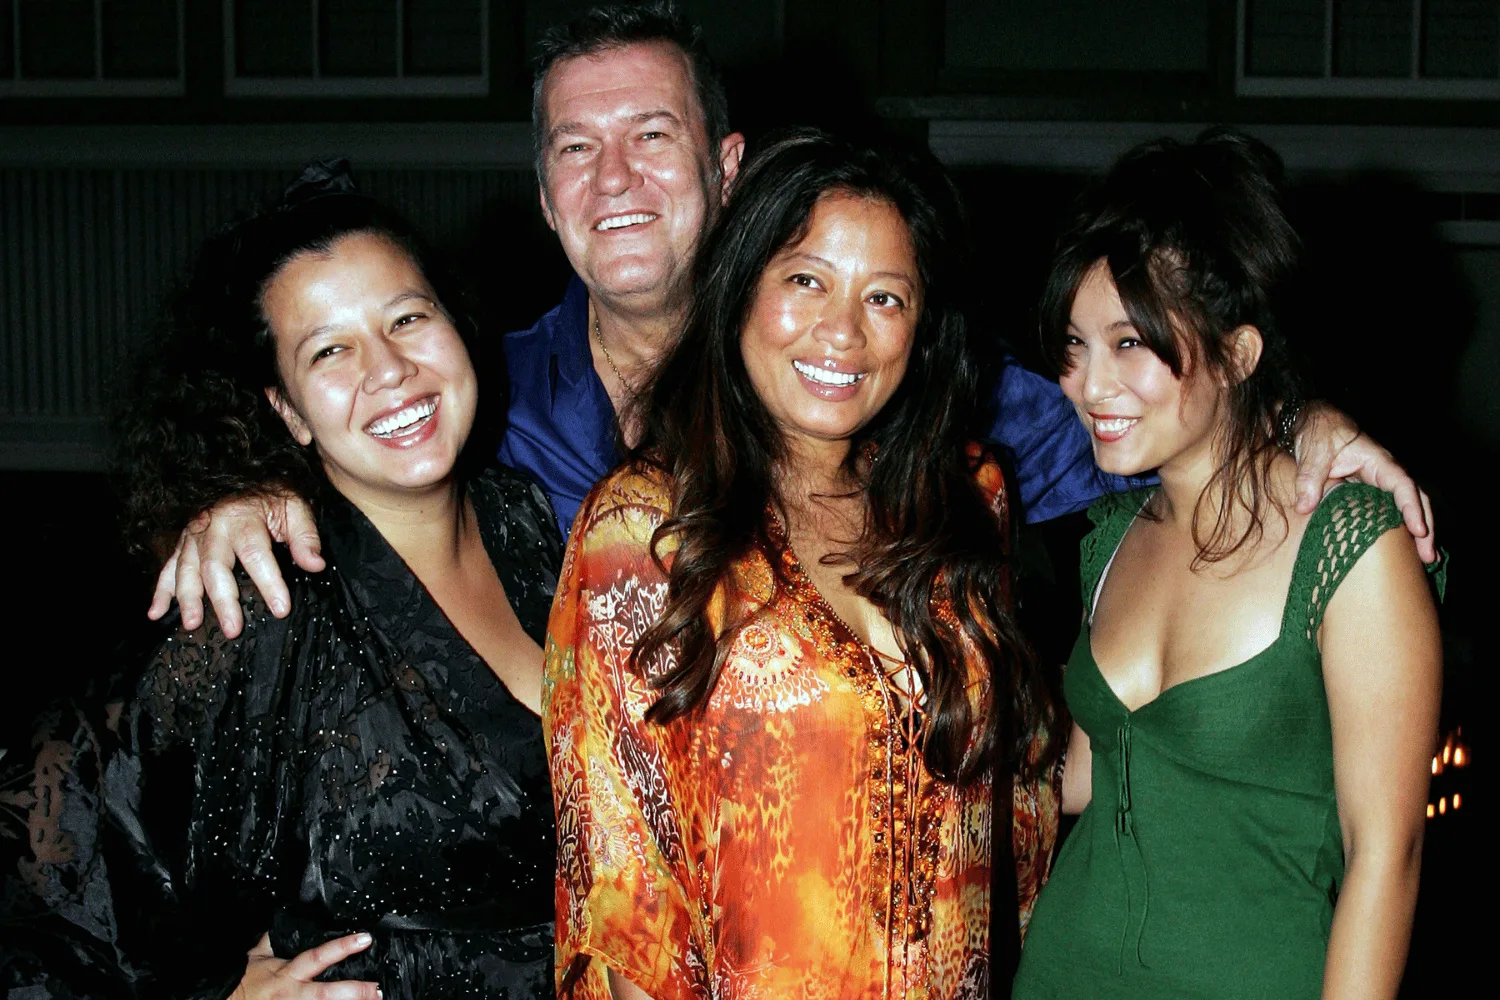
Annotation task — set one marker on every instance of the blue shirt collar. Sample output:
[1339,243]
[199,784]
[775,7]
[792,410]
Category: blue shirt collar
[570,334]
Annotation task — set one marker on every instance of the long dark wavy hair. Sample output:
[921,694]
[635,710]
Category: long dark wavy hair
[1198,243]
[927,531]
[195,426]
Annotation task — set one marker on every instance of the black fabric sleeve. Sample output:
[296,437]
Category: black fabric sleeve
[99,894]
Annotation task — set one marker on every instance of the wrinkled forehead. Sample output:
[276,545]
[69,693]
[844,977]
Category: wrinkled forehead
[619,82]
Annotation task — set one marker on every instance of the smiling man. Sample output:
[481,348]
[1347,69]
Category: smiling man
[634,156]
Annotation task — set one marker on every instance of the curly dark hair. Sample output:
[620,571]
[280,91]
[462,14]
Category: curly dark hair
[1198,244]
[195,426]
[928,529]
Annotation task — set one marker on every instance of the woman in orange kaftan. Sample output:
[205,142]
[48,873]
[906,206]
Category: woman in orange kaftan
[777,693]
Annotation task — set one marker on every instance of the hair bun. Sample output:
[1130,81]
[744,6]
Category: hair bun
[320,179]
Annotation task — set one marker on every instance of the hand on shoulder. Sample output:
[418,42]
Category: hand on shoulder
[237,530]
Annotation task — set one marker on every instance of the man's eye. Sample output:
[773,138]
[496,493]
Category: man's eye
[653,135]
[407,320]
[574,147]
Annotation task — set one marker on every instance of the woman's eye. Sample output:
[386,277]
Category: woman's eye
[805,280]
[406,320]
[1130,342]
[326,352]
[886,299]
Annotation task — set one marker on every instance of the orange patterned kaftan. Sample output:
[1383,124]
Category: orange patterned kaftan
[783,842]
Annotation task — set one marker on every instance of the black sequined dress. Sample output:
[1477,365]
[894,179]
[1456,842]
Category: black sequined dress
[354,766]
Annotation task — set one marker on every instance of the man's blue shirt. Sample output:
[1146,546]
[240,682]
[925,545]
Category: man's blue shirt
[561,426]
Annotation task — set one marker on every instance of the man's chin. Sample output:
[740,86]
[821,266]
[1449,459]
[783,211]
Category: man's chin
[635,285]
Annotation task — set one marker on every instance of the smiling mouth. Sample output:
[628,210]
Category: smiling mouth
[1113,428]
[823,376]
[407,420]
[622,221]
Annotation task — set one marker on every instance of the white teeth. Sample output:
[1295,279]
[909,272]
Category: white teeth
[620,221]
[1114,426]
[401,419]
[825,377]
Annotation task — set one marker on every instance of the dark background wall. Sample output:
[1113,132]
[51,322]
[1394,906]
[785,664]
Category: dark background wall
[131,128]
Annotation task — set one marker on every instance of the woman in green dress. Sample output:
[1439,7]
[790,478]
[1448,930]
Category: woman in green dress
[1255,689]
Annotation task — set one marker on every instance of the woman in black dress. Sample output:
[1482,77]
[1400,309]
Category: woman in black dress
[356,793]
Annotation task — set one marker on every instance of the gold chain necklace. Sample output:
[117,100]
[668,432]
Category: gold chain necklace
[630,389]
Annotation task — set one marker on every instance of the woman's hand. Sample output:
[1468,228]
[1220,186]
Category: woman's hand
[270,978]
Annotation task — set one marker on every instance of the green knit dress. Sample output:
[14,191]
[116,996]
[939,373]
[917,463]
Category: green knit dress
[1209,859]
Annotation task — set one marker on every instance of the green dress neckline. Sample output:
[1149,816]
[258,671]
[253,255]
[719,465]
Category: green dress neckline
[1092,661]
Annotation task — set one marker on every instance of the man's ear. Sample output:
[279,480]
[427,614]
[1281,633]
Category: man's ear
[301,433]
[541,196]
[1245,347]
[731,151]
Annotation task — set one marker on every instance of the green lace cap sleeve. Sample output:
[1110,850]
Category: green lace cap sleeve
[1111,514]
[1345,525]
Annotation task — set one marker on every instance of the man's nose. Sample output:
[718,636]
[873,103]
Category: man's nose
[386,367]
[614,174]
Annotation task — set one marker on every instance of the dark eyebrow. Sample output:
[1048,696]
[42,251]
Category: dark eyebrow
[562,128]
[398,298]
[309,335]
[646,116]
[814,258]
[410,293]
[1118,324]
[568,128]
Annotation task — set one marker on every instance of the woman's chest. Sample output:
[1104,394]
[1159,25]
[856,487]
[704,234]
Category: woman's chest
[812,813]
[1162,619]
[804,727]
[430,790]
[1263,722]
